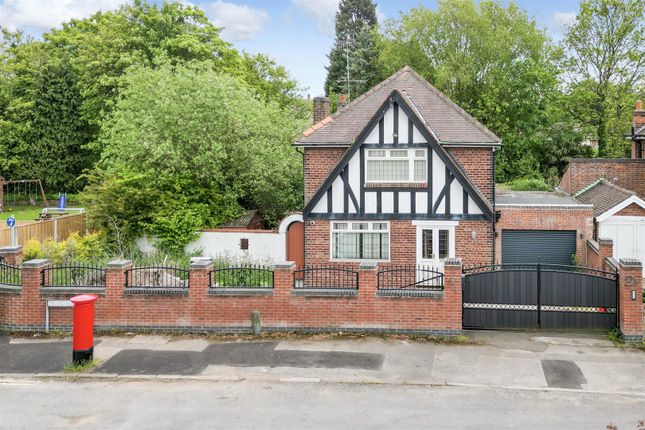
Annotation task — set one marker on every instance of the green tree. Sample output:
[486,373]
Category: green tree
[187,147]
[606,66]
[56,148]
[356,25]
[490,59]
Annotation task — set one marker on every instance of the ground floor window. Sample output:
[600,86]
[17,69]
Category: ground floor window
[360,240]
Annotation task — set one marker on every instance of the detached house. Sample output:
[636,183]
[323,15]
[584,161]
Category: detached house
[400,175]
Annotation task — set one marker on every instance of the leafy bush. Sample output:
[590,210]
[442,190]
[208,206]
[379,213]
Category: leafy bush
[82,249]
[529,184]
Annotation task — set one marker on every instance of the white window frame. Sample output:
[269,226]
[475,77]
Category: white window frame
[411,158]
[349,229]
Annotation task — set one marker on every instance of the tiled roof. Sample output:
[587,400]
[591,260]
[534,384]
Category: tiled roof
[603,195]
[242,221]
[443,118]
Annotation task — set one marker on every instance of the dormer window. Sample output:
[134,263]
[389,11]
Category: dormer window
[396,165]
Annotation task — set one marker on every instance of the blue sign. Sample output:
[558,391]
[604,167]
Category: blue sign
[11,221]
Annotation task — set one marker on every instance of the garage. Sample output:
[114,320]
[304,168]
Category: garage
[545,246]
[619,215]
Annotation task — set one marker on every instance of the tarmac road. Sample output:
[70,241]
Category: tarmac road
[156,404]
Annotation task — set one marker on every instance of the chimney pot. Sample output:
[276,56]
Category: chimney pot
[342,101]
[639,105]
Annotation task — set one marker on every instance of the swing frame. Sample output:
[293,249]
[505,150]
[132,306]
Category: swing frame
[25,182]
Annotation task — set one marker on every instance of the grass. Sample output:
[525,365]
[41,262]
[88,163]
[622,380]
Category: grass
[83,367]
[21,213]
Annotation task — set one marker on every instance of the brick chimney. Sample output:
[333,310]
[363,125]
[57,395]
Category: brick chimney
[322,109]
[638,142]
[342,101]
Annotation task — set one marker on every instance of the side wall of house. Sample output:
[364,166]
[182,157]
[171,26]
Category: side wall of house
[318,164]
[626,173]
[575,218]
[473,243]
[477,163]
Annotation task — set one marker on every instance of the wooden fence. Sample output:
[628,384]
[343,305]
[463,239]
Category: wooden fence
[57,229]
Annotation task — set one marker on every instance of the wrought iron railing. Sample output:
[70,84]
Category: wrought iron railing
[336,277]
[409,277]
[76,275]
[157,278]
[10,275]
[241,276]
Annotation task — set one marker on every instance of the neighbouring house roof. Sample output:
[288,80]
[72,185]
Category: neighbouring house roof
[535,198]
[446,121]
[243,221]
[603,195]
[640,133]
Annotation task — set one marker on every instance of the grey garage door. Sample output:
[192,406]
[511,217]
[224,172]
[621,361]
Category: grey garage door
[527,246]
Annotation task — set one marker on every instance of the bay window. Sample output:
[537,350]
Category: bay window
[360,241]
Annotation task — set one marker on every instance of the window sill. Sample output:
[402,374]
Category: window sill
[415,185]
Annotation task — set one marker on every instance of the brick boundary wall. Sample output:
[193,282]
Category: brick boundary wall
[282,309]
[598,252]
[629,174]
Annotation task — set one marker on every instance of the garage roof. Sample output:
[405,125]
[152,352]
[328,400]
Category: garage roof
[603,195]
[535,198]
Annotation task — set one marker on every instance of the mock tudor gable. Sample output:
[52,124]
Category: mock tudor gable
[396,169]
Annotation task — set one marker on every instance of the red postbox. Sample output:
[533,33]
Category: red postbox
[83,330]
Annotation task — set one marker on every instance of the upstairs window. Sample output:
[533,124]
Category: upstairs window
[396,165]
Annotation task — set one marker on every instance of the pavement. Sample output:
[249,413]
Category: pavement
[508,360]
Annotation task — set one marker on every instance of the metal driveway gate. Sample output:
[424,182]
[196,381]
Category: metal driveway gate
[546,296]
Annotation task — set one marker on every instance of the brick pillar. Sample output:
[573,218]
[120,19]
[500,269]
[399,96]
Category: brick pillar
[12,255]
[367,282]
[630,307]
[605,250]
[114,286]
[283,279]
[452,272]
[198,290]
[32,310]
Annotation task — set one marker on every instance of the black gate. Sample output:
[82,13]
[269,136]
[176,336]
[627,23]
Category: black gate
[545,296]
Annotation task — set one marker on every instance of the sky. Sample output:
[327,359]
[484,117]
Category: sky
[298,34]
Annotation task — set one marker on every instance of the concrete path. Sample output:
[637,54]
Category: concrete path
[526,361]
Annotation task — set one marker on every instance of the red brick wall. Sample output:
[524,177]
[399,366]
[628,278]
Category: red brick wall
[582,172]
[478,165]
[630,312]
[403,243]
[631,210]
[280,310]
[546,218]
[318,164]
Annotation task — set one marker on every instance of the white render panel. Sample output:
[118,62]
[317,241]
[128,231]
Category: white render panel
[321,206]
[403,126]
[388,126]
[421,202]
[370,203]
[438,180]
[337,195]
[387,202]
[355,174]
[404,202]
[373,136]
[473,209]
[456,197]
[417,136]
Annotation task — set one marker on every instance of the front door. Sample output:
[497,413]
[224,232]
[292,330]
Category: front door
[435,243]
